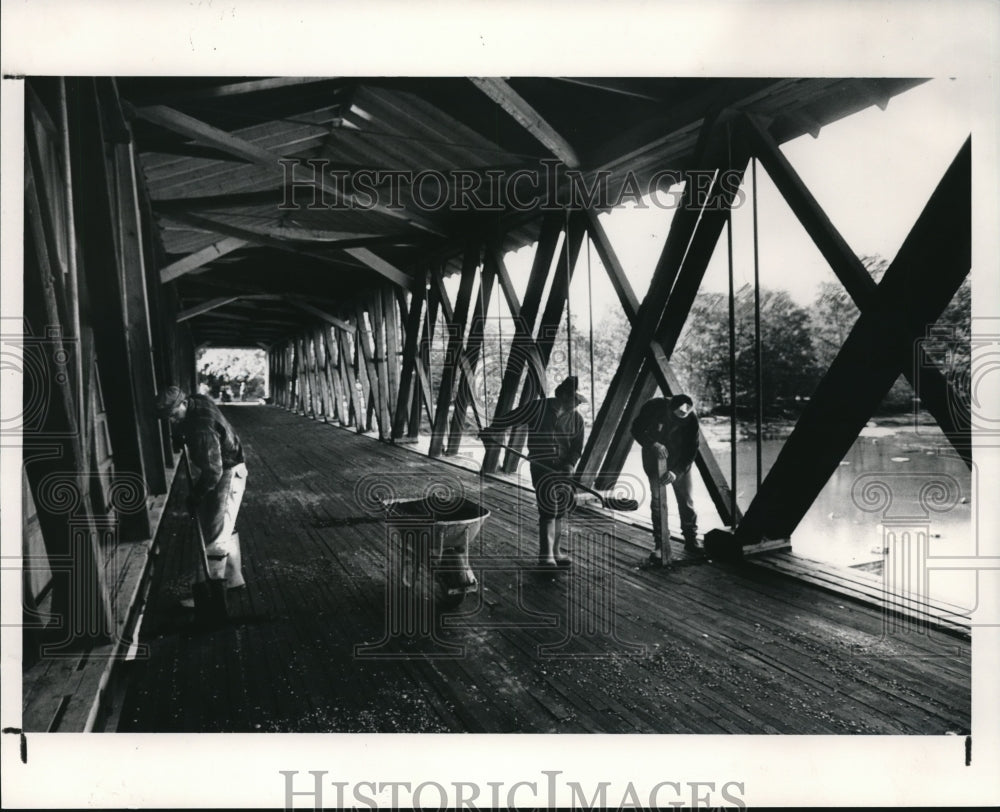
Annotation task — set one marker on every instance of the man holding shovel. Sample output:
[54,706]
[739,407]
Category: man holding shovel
[667,430]
[555,443]
[214,450]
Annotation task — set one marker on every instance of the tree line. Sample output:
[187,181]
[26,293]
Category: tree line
[798,344]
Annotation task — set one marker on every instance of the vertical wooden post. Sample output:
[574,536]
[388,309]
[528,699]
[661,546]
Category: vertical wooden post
[379,329]
[137,317]
[426,391]
[96,227]
[390,314]
[330,336]
[53,452]
[367,372]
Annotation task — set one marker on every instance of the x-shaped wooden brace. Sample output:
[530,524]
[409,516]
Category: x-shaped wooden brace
[921,281]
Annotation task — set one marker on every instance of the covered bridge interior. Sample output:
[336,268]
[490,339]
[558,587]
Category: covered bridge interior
[324,221]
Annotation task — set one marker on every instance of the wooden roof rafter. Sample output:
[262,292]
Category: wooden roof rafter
[249,152]
[525,115]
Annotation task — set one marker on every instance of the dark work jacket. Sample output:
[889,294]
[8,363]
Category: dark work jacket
[555,441]
[213,444]
[656,423]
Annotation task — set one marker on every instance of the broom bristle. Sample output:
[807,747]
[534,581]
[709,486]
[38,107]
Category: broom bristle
[615,503]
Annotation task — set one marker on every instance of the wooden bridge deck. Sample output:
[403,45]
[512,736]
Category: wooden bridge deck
[607,648]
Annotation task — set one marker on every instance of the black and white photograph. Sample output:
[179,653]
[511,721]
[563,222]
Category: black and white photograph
[523,413]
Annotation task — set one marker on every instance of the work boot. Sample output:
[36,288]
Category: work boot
[691,544]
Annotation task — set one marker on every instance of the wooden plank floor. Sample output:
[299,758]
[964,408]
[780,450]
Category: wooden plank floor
[606,648]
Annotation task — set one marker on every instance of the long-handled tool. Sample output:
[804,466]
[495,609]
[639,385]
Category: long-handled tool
[210,594]
[610,502]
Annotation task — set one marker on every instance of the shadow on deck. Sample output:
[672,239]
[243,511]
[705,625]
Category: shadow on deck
[605,648]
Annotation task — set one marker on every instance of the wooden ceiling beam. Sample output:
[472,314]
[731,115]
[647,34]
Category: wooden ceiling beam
[529,118]
[252,236]
[238,147]
[321,314]
[379,265]
[205,307]
[200,258]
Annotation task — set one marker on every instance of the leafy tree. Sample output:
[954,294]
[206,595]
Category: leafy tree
[788,373]
[220,367]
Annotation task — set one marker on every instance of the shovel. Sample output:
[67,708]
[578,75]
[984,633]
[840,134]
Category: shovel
[609,502]
[209,593]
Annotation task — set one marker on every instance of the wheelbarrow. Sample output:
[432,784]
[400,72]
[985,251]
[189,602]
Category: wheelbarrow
[433,546]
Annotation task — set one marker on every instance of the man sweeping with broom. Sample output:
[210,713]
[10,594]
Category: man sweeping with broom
[555,443]
[214,450]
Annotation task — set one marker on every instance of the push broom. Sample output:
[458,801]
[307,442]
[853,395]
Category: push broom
[609,502]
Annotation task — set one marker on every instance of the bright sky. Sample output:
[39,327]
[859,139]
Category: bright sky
[871,172]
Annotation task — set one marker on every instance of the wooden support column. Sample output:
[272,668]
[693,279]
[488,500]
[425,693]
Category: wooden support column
[345,354]
[340,375]
[54,454]
[278,382]
[368,372]
[930,267]
[319,379]
[705,461]
[365,369]
[390,315]
[425,393]
[379,329]
[474,347]
[295,382]
[934,388]
[522,345]
[548,327]
[137,318]
[408,393]
[456,342]
[94,217]
[322,374]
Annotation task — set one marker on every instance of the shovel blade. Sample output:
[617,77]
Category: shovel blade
[210,605]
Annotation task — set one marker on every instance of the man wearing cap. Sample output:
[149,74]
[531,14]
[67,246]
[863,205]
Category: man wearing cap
[555,443]
[667,430]
[216,453]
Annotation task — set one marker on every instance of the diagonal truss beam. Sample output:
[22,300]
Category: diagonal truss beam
[470,360]
[456,342]
[205,307]
[320,314]
[666,379]
[931,265]
[548,327]
[934,389]
[244,150]
[363,255]
[524,326]
[685,254]
[198,259]
[407,391]
[524,114]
